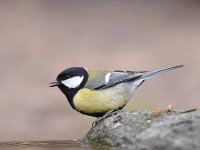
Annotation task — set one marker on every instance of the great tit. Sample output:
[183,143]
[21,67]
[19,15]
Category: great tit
[95,93]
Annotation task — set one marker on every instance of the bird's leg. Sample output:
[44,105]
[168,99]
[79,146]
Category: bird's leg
[106,115]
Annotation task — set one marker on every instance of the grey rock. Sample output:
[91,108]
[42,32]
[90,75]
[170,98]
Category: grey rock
[146,130]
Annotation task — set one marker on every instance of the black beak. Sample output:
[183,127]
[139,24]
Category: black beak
[54,83]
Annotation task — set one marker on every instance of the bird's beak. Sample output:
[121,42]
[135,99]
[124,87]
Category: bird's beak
[54,83]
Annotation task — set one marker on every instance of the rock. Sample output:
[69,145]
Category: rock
[145,130]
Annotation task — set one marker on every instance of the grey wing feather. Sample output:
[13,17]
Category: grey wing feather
[129,75]
[97,84]
[99,81]
[117,77]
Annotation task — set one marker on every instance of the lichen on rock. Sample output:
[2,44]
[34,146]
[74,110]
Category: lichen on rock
[146,130]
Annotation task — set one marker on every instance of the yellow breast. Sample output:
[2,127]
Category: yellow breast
[97,101]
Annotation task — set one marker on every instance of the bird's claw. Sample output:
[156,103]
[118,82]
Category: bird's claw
[106,115]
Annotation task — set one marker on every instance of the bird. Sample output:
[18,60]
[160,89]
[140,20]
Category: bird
[99,93]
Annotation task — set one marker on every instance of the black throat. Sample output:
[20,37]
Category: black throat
[69,93]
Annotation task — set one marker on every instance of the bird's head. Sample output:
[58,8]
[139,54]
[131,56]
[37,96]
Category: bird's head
[70,80]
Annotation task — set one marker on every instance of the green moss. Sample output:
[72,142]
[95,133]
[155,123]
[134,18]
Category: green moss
[99,143]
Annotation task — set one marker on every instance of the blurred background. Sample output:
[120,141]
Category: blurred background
[40,38]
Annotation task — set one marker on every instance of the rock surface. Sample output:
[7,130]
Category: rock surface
[145,130]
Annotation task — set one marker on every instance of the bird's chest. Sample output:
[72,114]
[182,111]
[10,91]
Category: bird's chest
[98,101]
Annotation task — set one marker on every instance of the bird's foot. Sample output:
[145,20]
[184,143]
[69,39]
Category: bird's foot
[106,115]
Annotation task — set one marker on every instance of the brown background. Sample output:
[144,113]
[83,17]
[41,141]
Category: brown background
[40,38]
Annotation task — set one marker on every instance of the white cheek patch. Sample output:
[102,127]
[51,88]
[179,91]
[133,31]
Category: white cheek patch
[73,82]
[107,77]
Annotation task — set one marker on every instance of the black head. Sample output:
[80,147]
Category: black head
[70,81]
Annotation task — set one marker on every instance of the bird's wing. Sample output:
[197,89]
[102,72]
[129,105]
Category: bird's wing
[104,79]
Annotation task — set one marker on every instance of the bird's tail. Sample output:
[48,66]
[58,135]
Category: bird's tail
[157,72]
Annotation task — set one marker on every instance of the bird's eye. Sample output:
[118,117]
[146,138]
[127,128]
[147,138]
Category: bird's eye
[68,76]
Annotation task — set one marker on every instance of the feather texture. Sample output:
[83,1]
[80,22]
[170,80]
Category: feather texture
[98,79]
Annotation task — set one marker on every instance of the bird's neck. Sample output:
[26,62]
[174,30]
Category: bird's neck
[69,93]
